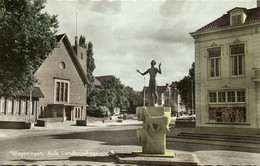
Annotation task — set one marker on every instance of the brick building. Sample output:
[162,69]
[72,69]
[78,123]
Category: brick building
[62,79]
[227,79]
[60,91]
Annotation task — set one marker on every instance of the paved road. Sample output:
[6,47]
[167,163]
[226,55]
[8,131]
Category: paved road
[65,143]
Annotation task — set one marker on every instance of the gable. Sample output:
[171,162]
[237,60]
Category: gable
[63,56]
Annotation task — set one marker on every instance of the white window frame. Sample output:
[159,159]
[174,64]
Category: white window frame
[2,105]
[232,56]
[226,96]
[60,94]
[235,21]
[23,106]
[214,60]
[228,104]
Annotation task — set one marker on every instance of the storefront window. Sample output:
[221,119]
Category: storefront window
[227,106]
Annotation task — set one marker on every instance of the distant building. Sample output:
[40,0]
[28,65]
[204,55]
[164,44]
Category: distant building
[167,96]
[227,73]
[99,80]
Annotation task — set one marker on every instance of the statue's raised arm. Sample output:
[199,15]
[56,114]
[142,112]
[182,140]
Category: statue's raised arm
[160,71]
[143,73]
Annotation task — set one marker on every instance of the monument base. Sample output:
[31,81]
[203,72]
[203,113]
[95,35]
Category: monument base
[166,155]
[180,159]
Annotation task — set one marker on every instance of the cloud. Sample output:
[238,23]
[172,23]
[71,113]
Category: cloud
[171,8]
[127,35]
[105,6]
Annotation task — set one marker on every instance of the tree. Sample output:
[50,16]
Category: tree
[26,38]
[82,41]
[186,88]
[113,94]
[118,89]
[134,99]
[90,62]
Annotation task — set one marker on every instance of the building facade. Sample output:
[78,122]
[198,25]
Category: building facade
[22,107]
[227,73]
[62,79]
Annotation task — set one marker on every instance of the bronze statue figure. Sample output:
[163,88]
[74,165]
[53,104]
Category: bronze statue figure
[153,95]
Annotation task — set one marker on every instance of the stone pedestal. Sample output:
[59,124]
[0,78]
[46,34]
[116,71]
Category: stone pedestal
[152,135]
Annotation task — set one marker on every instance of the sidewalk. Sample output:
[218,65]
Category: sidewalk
[61,127]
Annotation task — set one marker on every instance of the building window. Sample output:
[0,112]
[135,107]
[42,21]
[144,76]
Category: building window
[62,91]
[221,97]
[77,112]
[212,97]
[227,106]
[236,19]
[214,61]
[241,96]
[2,105]
[231,96]
[237,53]
[23,105]
[9,106]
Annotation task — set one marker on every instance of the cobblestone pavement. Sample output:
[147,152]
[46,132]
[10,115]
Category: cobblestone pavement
[67,144]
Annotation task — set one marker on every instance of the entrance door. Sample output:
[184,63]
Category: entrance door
[68,113]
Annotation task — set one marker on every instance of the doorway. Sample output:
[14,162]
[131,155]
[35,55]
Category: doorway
[68,113]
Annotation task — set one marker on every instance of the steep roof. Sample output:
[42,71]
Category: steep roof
[101,79]
[96,82]
[82,74]
[36,92]
[59,37]
[223,21]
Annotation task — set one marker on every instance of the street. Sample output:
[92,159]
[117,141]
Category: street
[64,143]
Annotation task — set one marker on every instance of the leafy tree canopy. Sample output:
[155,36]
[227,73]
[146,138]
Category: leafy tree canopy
[27,36]
[113,94]
[185,88]
[82,41]
[90,62]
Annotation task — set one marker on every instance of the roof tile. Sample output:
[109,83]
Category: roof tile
[252,16]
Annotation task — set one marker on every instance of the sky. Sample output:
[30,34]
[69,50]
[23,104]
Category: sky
[127,35]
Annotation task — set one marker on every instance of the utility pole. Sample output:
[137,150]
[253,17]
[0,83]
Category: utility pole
[144,92]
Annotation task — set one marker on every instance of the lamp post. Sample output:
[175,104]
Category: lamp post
[30,109]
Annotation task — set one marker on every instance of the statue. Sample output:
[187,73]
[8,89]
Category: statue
[153,95]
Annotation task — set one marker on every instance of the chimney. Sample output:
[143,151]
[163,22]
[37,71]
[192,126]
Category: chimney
[76,45]
[258,3]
